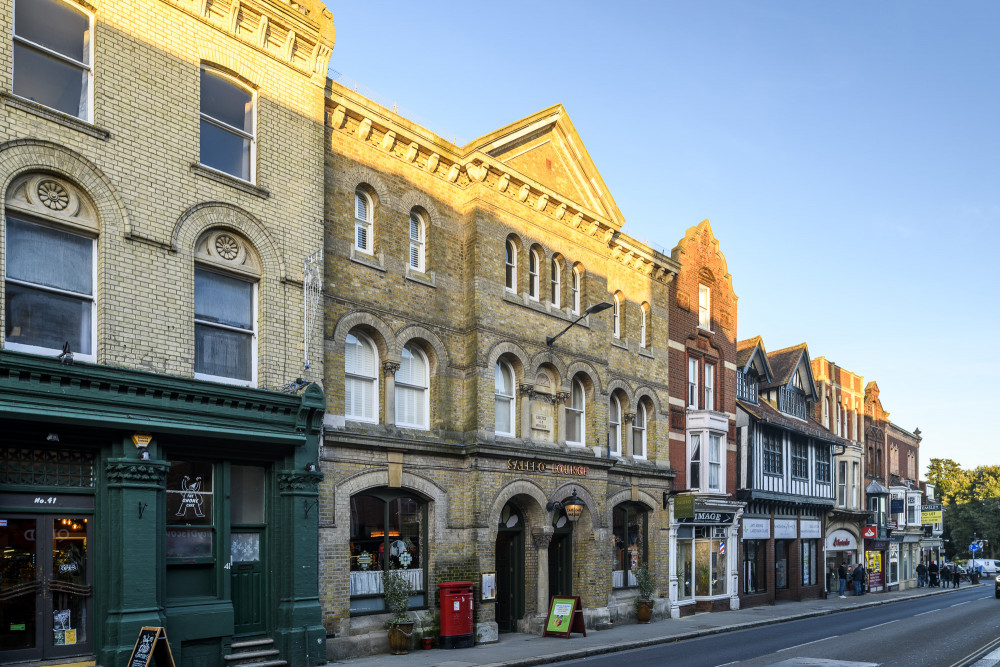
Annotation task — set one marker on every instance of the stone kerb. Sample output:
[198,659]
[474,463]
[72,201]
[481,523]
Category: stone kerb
[27,155]
[201,217]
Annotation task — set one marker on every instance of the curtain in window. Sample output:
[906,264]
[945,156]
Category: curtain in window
[224,324]
[714,461]
[695,481]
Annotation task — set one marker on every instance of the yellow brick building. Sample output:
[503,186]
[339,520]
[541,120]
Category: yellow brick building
[161,168]
[453,428]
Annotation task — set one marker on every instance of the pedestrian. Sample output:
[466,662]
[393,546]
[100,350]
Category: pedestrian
[842,578]
[858,577]
[945,575]
[932,570]
[921,575]
[956,575]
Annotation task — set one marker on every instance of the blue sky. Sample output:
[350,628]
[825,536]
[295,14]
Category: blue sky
[846,154]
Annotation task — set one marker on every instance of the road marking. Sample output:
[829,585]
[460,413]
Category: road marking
[881,624]
[959,604]
[926,612]
[789,648]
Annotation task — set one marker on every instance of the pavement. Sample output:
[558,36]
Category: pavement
[522,650]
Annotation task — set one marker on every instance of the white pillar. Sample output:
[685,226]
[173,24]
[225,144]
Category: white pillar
[541,536]
[389,369]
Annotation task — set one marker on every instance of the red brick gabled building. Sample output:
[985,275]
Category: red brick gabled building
[702,354]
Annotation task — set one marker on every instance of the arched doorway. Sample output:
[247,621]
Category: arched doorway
[561,556]
[510,568]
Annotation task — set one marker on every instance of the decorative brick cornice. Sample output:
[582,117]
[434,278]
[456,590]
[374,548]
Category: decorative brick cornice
[294,481]
[132,471]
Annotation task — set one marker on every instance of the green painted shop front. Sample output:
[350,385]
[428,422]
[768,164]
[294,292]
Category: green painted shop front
[207,526]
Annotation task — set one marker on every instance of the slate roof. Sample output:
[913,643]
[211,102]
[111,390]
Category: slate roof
[784,362]
[745,348]
[763,412]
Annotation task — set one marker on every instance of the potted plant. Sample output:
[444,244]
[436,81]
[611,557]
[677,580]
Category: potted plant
[644,603]
[396,590]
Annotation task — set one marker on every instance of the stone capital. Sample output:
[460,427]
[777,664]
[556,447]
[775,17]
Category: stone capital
[541,536]
[390,367]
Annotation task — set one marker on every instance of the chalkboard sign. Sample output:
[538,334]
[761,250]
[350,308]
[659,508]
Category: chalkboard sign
[151,644]
[565,617]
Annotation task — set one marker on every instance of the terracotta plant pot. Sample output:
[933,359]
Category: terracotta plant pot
[400,635]
[427,643]
[643,610]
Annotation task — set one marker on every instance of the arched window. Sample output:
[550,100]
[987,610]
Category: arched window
[360,378]
[577,289]
[533,274]
[643,324]
[412,380]
[227,125]
[639,432]
[225,309]
[363,216]
[510,278]
[556,282]
[615,425]
[503,400]
[617,318]
[417,231]
[387,533]
[575,416]
[53,55]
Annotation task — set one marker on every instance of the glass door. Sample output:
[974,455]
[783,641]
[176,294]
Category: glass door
[45,587]
[248,549]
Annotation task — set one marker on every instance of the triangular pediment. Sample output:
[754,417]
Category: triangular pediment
[546,148]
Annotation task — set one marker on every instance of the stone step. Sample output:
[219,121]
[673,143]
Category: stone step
[249,656]
[251,643]
[266,663]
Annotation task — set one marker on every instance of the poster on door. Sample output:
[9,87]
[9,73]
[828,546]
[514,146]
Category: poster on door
[873,563]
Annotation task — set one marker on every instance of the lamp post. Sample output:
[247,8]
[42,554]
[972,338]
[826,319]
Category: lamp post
[596,308]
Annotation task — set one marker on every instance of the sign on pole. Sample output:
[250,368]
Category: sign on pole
[973,547]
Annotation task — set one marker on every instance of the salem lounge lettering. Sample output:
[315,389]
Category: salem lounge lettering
[530,465]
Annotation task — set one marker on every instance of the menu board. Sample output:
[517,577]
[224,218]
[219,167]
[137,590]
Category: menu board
[565,617]
[151,644]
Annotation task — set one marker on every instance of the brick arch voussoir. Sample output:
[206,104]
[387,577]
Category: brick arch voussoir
[546,357]
[618,384]
[519,487]
[625,496]
[416,198]
[208,215]
[23,156]
[565,490]
[411,331]
[231,61]
[360,174]
[647,393]
[502,348]
[587,369]
[362,481]
[360,317]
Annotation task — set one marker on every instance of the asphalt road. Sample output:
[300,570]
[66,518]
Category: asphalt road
[945,630]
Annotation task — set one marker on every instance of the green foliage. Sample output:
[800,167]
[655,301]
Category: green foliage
[972,505]
[644,580]
[396,590]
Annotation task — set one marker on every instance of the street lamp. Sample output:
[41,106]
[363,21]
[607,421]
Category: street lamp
[573,507]
[596,308]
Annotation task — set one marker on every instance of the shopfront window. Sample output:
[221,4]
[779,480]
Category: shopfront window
[387,533]
[629,535]
[809,563]
[781,563]
[710,560]
[190,511]
[685,563]
[754,566]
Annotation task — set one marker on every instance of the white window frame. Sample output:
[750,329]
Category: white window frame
[578,414]
[92,298]
[842,483]
[510,398]
[616,319]
[418,234]
[704,306]
[642,326]
[695,441]
[639,432]
[533,262]
[709,387]
[364,224]
[510,266]
[86,68]
[252,136]
[215,325]
[577,289]
[373,379]
[715,456]
[556,282]
[692,383]
[615,426]
[424,389]
[708,462]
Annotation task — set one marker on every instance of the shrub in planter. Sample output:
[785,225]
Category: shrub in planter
[396,591]
[647,587]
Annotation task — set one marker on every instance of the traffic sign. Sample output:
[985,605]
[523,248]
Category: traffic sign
[973,547]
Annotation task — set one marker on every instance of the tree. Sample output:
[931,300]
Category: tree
[948,477]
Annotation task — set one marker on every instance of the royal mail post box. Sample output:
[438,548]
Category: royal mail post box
[456,614]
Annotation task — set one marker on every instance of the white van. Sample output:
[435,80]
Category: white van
[989,565]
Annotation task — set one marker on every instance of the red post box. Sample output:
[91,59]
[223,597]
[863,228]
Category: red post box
[456,614]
